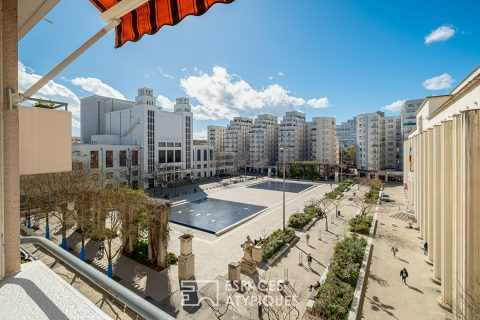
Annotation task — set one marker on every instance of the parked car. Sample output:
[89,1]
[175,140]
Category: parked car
[385,197]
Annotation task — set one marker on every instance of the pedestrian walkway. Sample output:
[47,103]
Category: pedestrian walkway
[387,297]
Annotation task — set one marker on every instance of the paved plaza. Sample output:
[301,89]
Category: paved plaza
[386,296]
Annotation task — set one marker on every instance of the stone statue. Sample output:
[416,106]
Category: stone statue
[247,250]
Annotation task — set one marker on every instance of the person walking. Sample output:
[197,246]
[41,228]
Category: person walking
[394,251]
[309,260]
[308,238]
[404,275]
[425,248]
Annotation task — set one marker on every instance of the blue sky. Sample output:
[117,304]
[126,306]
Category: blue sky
[337,58]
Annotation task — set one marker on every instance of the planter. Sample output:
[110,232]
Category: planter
[291,242]
[310,224]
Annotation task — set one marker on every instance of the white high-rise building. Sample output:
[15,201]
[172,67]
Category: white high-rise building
[163,138]
[264,142]
[237,143]
[216,139]
[392,144]
[369,139]
[408,115]
[293,137]
[323,141]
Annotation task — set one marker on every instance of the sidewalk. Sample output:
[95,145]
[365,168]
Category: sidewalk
[386,296]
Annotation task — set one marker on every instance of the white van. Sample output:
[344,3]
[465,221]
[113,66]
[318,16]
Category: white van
[385,197]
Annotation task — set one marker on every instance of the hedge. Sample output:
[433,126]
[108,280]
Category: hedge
[336,293]
[299,220]
[361,224]
[339,189]
[274,242]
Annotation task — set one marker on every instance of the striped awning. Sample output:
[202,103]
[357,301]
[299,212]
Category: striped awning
[154,14]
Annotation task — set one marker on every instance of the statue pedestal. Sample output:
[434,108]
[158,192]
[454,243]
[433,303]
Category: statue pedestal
[248,267]
[234,271]
[186,266]
[257,254]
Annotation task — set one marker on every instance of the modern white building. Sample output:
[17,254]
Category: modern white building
[203,160]
[442,182]
[163,138]
[369,139]
[347,134]
[323,146]
[237,143]
[293,137]
[264,142]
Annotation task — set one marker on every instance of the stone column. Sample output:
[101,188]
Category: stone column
[9,133]
[423,186]
[436,208]
[429,193]
[471,281]
[447,194]
[186,260]
[417,162]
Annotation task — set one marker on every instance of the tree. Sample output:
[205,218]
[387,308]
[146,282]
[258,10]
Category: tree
[337,204]
[363,205]
[324,204]
[158,215]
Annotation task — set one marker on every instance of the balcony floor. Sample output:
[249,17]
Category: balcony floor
[37,292]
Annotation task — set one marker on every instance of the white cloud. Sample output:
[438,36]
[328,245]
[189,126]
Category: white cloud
[443,81]
[51,91]
[200,135]
[221,95]
[184,69]
[165,103]
[96,86]
[280,73]
[318,103]
[270,78]
[440,34]
[394,107]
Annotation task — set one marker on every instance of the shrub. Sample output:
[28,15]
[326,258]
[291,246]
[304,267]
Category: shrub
[171,258]
[274,242]
[299,220]
[140,252]
[361,224]
[336,293]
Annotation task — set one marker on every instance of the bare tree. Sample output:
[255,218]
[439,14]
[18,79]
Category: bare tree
[363,205]
[324,204]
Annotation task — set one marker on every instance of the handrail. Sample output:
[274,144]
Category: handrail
[132,300]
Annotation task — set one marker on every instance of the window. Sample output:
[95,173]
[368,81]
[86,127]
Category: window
[211,155]
[94,159]
[109,159]
[199,155]
[162,144]
[135,173]
[178,155]
[178,144]
[161,156]
[123,158]
[205,165]
[170,144]
[169,156]
[205,157]
[135,158]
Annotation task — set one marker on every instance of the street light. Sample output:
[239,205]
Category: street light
[283,152]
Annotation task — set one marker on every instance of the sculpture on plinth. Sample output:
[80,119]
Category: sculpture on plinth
[247,265]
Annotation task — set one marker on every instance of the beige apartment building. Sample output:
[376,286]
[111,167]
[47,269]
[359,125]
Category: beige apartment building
[442,179]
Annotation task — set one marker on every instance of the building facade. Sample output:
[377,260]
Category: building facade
[369,148]
[323,144]
[237,143]
[392,144]
[203,160]
[216,139]
[408,116]
[442,183]
[164,138]
[293,137]
[264,142]
[347,134]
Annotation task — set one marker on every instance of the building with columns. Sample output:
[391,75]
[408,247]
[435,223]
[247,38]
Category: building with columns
[442,179]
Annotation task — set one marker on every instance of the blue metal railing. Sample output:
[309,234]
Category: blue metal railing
[142,307]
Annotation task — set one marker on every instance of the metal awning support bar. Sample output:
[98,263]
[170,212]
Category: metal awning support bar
[121,9]
[141,306]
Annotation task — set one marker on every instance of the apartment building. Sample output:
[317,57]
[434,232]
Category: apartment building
[293,137]
[408,116]
[392,144]
[441,180]
[323,144]
[203,159]
[237,143]
[216,139]
[264,142]
[164,139]
[369,139]
[347,134]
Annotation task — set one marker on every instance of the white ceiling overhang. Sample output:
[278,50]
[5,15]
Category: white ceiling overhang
[30,12]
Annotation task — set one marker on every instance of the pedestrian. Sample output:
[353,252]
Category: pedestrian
[307,237]
[410,222]
[404,275]
[309,260]
[425,248]
[394,251]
